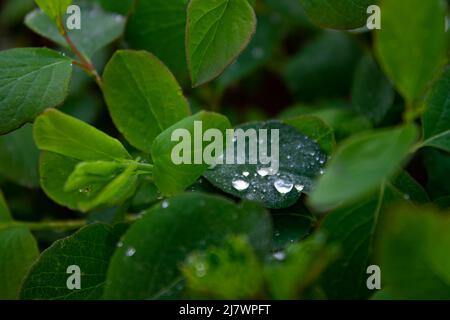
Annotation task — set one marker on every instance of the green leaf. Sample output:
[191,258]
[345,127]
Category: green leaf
[300,162]
[361,164]
[171,178]
[31,79]
[436,119]
[146,265]
[59,133]
[437,164]
[353,229]
[411,189]
[324,67]
[294,271]
[19,157]
[90,249]
[372,93]
[122,7]
[107,26]
[316,129]
[143,97]
[409,53]
[159,26]
[54,8]
[217,31]
[18,250]
[5,214]
[342,14]
[413,249]
[229,272]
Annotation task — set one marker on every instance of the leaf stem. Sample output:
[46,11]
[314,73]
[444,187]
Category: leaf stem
[84,62]
[65,225]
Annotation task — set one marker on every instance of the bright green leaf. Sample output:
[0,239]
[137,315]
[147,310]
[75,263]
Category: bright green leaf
[143,97]
[31,79]
[217,32]
[409,53]
[98,28]
[361,164]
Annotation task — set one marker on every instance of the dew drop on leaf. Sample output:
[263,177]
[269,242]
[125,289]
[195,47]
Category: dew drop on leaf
[130,252]
[283,186]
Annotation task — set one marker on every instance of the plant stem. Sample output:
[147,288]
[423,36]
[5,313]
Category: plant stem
[84,62]
[65,225]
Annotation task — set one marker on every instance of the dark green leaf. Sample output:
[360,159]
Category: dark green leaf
[217,31]
[98,28]
[436,119]
[146,266]
[31,79]
[290,227]
[159,27]
[143,97]
[300,162]
[5,214]
[90,249]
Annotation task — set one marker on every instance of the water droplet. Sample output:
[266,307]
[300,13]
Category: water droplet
[165,204]
[119,244]
[130,252]
[280,255]
[240,185]
[406,196]
[257,53]
[283,186]
[245,173]
[299,187]
[322,171]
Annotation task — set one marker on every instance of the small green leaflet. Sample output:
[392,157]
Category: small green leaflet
[436,118]
[217,31]
[31,80]
[338,14]
[300,163]
[54,8]
[143,97]
[413,247]
[90,249]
